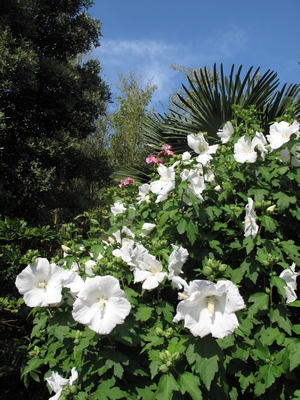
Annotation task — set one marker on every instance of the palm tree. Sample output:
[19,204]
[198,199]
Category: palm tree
[207,105]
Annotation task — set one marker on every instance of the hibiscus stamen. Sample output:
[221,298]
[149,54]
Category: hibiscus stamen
[211,305]
[102,303]
[42,285]
[152,270]
[201,147]
[183,296]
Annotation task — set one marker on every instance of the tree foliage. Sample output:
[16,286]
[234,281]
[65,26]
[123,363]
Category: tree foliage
[49,102]
[207,103]
[127,144]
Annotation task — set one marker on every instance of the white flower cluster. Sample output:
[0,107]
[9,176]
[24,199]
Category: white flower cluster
[280,133]
[100,302]
[206,307]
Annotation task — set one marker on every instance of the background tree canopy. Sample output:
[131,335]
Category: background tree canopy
[49,102]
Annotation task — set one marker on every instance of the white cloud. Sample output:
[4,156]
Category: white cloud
[152,59]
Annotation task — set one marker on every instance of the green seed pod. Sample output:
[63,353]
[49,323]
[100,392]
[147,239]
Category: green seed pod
[159,331]
[222,267]
[163,368]
[73,389]
[175,356]
[169,333]
[207,270]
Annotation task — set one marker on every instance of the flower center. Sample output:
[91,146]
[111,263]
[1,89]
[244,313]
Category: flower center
[202,147]
[101,303]
[177,269]
[42,285]
[152,270]
[165,179]
[211,305]
[183,296]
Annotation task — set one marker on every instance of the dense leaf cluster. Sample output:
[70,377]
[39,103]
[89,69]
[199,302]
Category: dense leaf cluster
[49,101]
[151,357]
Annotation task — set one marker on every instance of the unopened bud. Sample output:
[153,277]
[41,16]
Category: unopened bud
[65,249]
[111,240]
[271,208]
[73,389]
[207,270]
[159,331]
[175,356]
[169,333]
[222,267]
[164,368]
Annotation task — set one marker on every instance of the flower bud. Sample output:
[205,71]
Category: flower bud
[169,333]
[271,209]
[164,368]
[159,331]
[65,249]
[222,267]
[175,356]
[207,270]
[111,240]
[73,389]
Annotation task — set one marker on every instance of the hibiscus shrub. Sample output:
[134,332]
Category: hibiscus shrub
[191,293]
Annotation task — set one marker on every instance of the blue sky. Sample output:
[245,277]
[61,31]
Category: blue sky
[147,36]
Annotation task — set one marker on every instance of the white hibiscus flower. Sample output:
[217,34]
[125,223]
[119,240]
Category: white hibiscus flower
[41,283]
[101,304]
[210,308]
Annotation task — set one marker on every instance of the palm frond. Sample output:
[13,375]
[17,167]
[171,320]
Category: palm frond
[206,105]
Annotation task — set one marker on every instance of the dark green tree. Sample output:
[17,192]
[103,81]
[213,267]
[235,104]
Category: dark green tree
[50,102]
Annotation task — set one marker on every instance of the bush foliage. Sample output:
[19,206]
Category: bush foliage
[150,356]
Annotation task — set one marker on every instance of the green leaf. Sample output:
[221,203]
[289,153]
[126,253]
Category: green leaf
[41,323]
[166,386]
[279,284]
[284,200]
[248,243]
[143,313]
[260,351]
[153,366]
[294,304]
[182,226]
[107,391]
[268,223]
[266,377]
[270,335]
[291,250]
[165,308]
[206,354]
[147,393]
[239,176]
[294,351]
[296,395]
[190,383]
[192,231]
[154,341]
[207,369]
[296,328]
[261,302]
[32,365]
[215,244]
